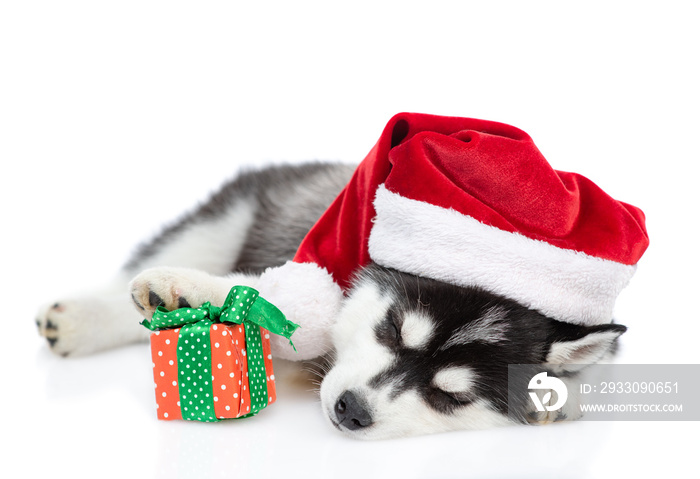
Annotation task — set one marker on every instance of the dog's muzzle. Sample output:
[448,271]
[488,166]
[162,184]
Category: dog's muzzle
[351,413]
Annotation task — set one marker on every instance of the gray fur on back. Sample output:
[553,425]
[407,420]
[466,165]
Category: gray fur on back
[288,200]
[291,200]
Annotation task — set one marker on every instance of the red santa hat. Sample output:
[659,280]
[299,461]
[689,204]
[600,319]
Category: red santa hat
[468,202]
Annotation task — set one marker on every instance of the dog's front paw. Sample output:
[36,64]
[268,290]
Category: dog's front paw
[546,417]
[570,411]
[175,288]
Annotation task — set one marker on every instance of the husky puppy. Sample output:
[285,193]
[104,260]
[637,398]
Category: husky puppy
[411,355]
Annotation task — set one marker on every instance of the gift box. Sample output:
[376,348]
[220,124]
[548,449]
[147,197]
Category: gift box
[212,363]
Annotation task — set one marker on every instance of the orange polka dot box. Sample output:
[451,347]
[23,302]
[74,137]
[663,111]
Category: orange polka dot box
[212,363]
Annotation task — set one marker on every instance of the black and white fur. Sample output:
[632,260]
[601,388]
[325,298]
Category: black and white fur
[411,355]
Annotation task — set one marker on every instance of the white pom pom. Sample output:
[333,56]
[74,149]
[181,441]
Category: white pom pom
[308,296]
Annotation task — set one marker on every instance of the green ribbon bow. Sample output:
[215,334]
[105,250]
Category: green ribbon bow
[243,305]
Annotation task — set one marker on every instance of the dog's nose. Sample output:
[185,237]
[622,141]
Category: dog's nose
[351,413]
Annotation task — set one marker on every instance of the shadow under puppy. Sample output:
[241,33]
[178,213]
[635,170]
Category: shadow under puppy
[453,250]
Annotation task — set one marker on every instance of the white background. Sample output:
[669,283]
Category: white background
[116,116]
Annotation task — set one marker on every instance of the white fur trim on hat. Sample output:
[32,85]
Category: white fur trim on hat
[434,242]
[308,296]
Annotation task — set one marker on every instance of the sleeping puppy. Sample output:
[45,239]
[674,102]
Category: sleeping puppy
[410,355]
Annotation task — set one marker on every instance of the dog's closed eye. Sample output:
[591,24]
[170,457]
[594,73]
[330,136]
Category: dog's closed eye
[394,328]
[458,398]
[447,402]
[411,330]
[388,332]
[451,387]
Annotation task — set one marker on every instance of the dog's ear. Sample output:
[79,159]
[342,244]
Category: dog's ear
[572,347]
